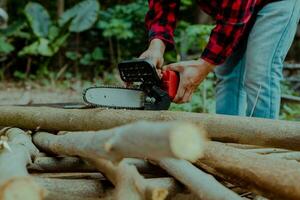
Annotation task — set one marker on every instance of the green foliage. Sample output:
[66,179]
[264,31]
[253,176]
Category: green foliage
[121,21]
[290,111]
[38,18]
[87,58]
[82,16]
[117,28]
[49,39]
[192,38]
[5,47]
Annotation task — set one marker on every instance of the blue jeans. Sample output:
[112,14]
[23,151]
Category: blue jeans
[249,81]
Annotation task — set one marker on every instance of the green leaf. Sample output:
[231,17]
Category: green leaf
[97,54]
[19,75]
[5,47]
[59,42]
[40,47]
[38,18]
[82,16]
[44,48]
[53,33]
[86,59]
[72,55]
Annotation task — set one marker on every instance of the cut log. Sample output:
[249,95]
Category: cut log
[154,140]
[75,164]
[75,187]
[264,132]
[70,175]
[60,164]
[200,183]
[16,153]
[95,189]
[129,183]
[273,178]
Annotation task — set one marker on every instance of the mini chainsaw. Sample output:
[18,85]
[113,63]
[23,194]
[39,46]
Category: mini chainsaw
[152,93]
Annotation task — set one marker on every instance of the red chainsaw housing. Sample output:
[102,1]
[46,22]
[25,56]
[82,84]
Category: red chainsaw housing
[170,82]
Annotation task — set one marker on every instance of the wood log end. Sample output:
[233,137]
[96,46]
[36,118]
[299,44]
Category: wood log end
[188,142]
[23,188]
[158,194]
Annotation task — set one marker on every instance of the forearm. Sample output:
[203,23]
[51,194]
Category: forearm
[157,45]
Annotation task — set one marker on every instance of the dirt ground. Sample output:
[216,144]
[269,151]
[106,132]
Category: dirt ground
[14,94]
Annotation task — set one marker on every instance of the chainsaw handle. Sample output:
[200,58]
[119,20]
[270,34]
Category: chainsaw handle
[170,82]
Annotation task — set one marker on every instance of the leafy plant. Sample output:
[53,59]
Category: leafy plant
[49,38]
[192,38]
[5,46]
[82,16]
[38,18]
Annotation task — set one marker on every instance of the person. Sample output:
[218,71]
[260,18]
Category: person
[246,50]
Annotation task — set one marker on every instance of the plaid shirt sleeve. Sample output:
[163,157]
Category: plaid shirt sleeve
[231,26]
[161,20]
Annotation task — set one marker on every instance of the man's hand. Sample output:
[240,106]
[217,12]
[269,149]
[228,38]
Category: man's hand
[192,73]
[155,53]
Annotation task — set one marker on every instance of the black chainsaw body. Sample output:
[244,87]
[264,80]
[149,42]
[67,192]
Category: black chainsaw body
[144,72]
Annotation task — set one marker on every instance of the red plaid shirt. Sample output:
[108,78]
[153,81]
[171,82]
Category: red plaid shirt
[233,19]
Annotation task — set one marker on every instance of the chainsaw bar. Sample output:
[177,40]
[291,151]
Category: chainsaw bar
[114,97]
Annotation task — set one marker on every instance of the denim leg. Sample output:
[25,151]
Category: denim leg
[230,93]
[268,44]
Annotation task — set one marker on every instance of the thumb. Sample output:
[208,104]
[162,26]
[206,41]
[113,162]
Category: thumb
[177,67]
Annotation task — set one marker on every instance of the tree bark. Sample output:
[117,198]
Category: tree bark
[75,164]
[72,175]
[60,164]
[15,154]
[264,132]
[273,178]
[83,188]
[292,155]
[153,140]
[129,184]
[94,189]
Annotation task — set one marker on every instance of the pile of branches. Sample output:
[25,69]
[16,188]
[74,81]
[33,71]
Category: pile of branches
[111,154]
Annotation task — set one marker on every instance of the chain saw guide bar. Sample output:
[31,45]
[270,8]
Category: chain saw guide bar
[153,93]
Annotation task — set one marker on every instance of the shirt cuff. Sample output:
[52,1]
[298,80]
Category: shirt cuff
[167,38]
[212,58]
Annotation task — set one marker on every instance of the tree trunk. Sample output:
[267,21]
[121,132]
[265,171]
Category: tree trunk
[264,132]
[60,7]
[16,152]
[274,178]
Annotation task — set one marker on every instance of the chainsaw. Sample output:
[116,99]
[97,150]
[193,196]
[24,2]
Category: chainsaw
[152,92]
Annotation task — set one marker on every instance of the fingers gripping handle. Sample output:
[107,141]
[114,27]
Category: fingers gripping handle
[170,82]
